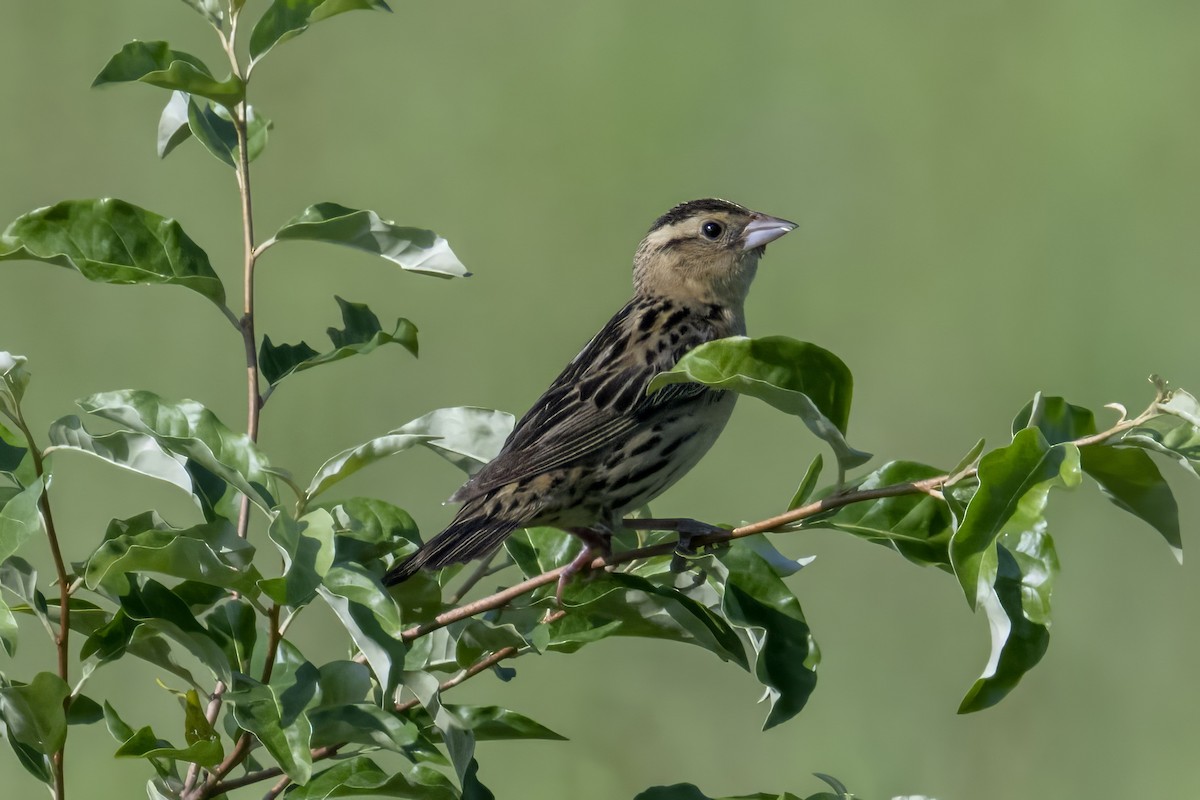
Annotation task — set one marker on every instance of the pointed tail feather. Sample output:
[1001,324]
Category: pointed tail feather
[464,540]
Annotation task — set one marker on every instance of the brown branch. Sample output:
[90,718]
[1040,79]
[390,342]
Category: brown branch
[502,598]
[62,639]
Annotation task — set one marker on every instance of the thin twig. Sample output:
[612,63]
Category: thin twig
[62,640]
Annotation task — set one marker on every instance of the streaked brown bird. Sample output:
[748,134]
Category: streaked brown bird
[595,446]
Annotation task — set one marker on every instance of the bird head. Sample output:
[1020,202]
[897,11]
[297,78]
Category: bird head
[705,251]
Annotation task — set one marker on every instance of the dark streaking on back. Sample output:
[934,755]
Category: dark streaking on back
[594,446]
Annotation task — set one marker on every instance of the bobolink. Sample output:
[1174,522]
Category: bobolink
[595,446]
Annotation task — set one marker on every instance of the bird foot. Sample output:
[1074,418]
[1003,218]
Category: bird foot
[688,530]
[569,571]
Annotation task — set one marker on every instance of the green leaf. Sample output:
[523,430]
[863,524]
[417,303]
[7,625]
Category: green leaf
[1170,437]
[1014,484]
[413,249]
[111,241]
[173,128]
[35,763]
[8,629]
[34,712]
[361,723]
[136,452]
[21,519]
[1058,420]
[306,545]
[19,577]
[757,601]
[1183,405]
[361,777]
[1019,639]
[211,10]
[688,791]
[144,744]
[232,625]
[157,64]
[286,19]
[196,727]
[14,378]
[361,335]
[350,461]
[15,460]
[356,599]
[189,429]
[1131,480]
[213,127]
[277,720]
[807,483]
[916,526]
[211,553]
[367,529]
[493,723]
[798,378]
[466,436]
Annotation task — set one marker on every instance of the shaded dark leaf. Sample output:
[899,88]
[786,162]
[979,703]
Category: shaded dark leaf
[34,712]
[1131,480]
[361,334]
[1058,420]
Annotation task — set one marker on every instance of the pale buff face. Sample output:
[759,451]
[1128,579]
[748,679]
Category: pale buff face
[700,259]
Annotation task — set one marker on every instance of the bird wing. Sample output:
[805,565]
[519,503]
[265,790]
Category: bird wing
[599,399]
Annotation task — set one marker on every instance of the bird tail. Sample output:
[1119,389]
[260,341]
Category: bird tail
[467,537]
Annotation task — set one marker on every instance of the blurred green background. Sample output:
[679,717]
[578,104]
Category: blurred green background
[994,197]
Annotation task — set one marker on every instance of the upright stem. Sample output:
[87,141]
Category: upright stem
[253,398]
[62,640]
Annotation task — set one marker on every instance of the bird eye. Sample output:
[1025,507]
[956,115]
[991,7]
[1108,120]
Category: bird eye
[711,230]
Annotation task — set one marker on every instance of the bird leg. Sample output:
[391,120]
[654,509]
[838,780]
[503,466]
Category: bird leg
[593,541]
[687,529]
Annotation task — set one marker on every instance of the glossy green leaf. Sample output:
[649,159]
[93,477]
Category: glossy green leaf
[361,723]
[137,452]
[757,601]
[83,710]
[8,629]
[1018,641]
[1058,420]
[285,19]
[688,791]
[111,241]
[34,712]
[916,526]
[362,334]
[21,519]
[282,726]
[36,764]
[466,436]
[371,618]
[14,377]
[1170,437]
[413,249]
[173,127]
[622,604]
[150,615]
[232,624]
[211,10]
[350,461]
[213,127]
[189,429]
[1131,480]
[15,459]
[807,484]
[366,529]
[144,744]
[796,377]
[306,545]
[20,578]
[1014,484]
[196,727]
[361,777]
[493,723]
[157,64]
[211,553]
